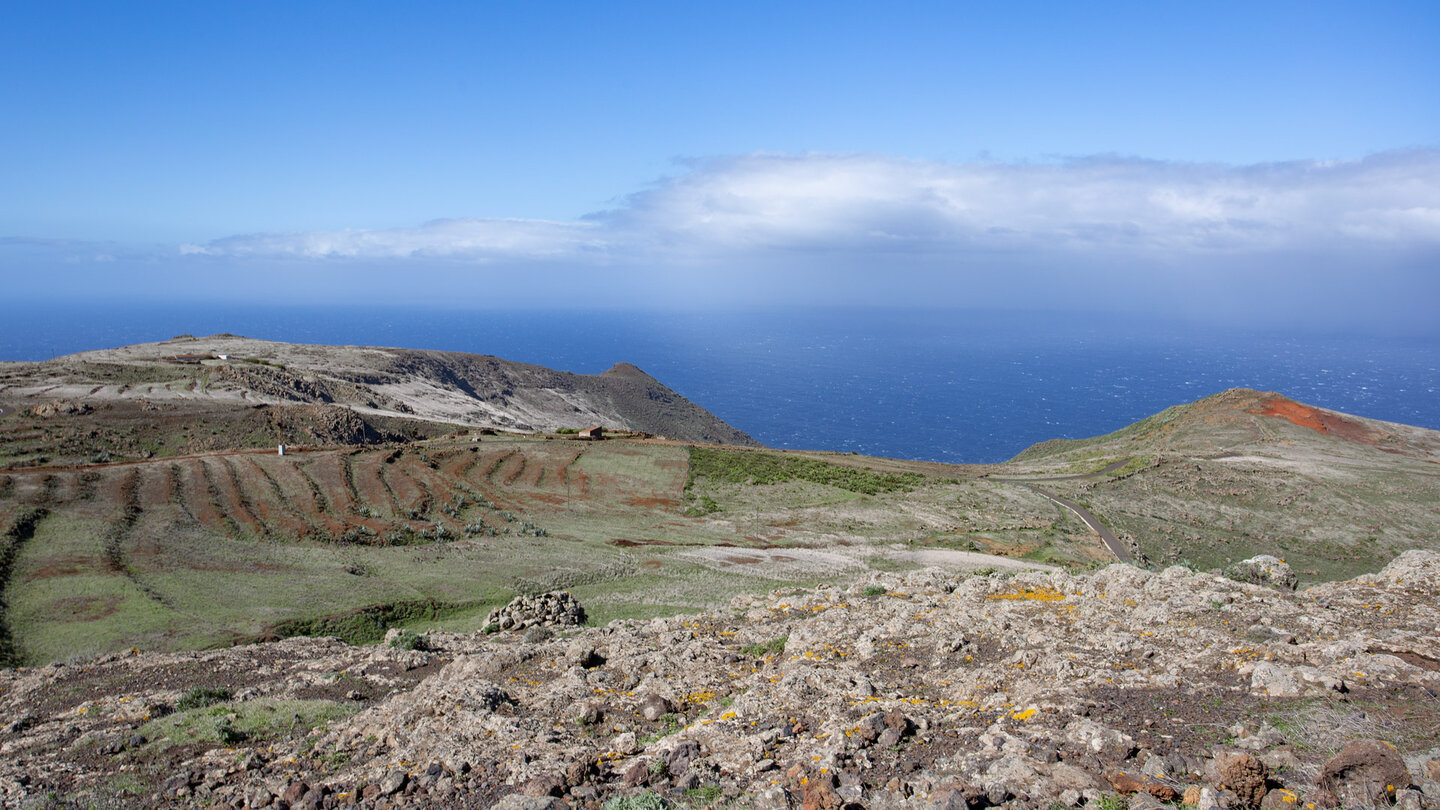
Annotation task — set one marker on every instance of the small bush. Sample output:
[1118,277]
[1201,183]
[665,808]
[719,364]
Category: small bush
[705,794]
[226,733]
[706,506]
[670,723]
[407,640]
[1113,803]
[199,698]
[763,648]
[874,590]
[638,801]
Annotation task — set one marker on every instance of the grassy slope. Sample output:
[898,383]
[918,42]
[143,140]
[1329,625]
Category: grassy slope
[188,552]
[1215,481]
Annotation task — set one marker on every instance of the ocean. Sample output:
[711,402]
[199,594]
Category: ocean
[955,386]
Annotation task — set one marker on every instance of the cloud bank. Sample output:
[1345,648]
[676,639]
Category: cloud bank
[1347,243]
[771,206]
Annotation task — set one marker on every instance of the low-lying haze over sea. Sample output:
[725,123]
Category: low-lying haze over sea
[955,386]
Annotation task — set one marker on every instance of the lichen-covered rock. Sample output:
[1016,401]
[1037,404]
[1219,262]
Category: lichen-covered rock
[1264,570]
[1416,568]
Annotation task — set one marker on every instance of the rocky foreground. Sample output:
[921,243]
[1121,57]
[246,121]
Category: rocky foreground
[919,691]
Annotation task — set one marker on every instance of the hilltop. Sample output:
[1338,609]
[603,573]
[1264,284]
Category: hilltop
[1250,472]
[373,393]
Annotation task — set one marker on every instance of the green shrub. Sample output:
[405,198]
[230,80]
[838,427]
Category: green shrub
[407,640]
[226,733]
[250,721]
[706,506]
[705,794]
[199,698]
[669,724]
[874,590]
[763,648]
[638,801]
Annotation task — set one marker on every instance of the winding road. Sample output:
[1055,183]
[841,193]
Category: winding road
[1106,536]
[1111,541]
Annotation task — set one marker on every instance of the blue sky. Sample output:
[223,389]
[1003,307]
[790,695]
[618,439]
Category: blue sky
[1149,156]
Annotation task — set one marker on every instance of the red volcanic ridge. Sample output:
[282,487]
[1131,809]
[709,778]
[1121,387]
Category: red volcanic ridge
[1322,422]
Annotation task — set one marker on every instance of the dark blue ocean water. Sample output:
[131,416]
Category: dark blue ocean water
[960,386]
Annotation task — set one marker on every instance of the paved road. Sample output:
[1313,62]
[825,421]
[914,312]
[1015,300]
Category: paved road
[1111,541]
[1108,537]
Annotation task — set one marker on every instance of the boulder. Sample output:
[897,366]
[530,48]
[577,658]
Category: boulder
[1131,782]
[653,707]
[1106,743]
[546,784]
[393,783]
[820,793]
[956,796]
[1365,773]
[897,726]
[1264,570]
[582,654]
[517,801]
[1280,799]
[1274,680]
[1416,568]
[1242,774]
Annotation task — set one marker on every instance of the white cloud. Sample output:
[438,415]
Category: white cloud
[476,239]
[787,206]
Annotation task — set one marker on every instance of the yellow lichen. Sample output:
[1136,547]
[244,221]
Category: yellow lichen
[1045,594]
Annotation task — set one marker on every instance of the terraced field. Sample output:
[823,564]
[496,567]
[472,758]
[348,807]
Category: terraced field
[221,547]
